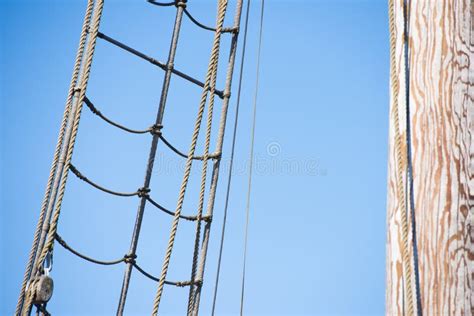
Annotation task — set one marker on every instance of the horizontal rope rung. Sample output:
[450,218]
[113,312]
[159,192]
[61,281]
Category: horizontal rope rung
[156,62]
[79,175]
[80,255]
[152,130]
[191,17]
[94,110]
[162,4]
[167,211]
[175,283]
[127,259]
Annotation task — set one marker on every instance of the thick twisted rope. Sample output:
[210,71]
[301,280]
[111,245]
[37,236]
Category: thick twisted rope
[202,191]
[216,163]
[209,83]
[232,152]
[83,85]
[401,164]
[59,144]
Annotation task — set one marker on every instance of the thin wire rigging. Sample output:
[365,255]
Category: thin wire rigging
[251,157]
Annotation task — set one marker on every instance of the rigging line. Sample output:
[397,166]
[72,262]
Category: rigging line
[191,17]
[167,211]
[406,31]
[57,153]
[180,153]
[210,84]
[162,4]
[66,246]
[153,278]
[216,163]
[154,129]
[80,176]
[231,164]
[57,198]
[197,22]
[153,61]
[205,27]
[95,111]
[400,161]
[251,156]
[87,258]
[152,153]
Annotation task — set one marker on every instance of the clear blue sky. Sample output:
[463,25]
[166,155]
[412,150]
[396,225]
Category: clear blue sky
[317,229]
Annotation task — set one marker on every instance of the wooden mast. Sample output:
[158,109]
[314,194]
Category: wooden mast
[442,134]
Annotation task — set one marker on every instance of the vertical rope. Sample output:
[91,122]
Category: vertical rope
[59,145]
[251,157]
[229,177]
[401,164]
[409,175]
[202,192]
[151,157]
[209,84]
[75,126]
[216,162]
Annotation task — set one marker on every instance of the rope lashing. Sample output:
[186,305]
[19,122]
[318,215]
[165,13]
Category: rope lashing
[59,145]
[155,62]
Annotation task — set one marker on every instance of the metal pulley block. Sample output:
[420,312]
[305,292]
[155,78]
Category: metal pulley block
[43,289]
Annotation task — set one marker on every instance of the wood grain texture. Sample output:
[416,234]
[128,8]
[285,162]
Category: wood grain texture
[442,120]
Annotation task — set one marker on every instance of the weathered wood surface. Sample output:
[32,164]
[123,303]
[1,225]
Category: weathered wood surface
[442,119]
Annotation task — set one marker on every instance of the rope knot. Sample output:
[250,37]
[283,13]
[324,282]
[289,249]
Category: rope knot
[143,192]
[234,30]
[215,155]
[198,283]
[181,3]
[155,129]
[169,66]
[76,172]
[130,258]
[91,106]
[207,218]
[226,94]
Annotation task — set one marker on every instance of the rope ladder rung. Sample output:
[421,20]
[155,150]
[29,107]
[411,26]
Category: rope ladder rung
[155,62]
[125,258]
[142,192]
[154,129]
[192,18]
